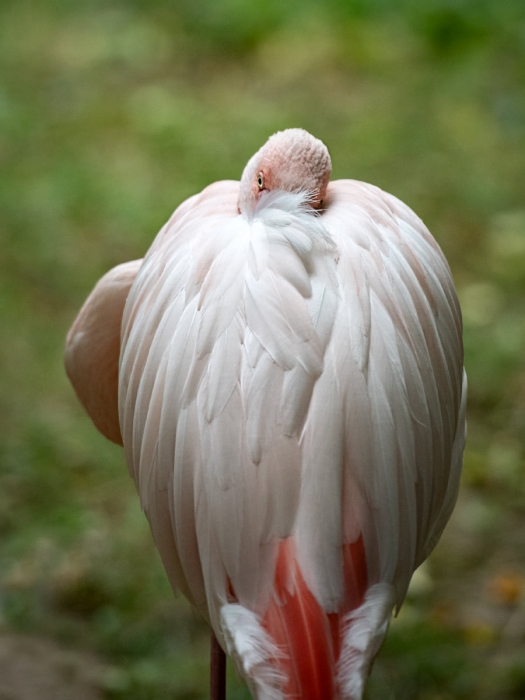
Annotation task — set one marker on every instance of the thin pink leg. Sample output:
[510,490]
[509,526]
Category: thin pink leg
[217,670]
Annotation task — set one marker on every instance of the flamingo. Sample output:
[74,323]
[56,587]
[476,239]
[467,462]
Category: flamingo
[284,369]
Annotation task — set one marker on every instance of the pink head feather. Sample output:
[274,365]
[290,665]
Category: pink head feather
[291,160]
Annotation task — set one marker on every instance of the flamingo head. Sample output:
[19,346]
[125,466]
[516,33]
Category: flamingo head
[291,160]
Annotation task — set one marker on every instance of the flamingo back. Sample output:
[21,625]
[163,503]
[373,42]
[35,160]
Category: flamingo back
[292,406]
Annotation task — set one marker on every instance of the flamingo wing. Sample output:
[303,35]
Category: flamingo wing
[93,348]
[219,358]
[396,366]
[393,376]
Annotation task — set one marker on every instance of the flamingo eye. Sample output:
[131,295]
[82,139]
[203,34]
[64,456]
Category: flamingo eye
[260,181]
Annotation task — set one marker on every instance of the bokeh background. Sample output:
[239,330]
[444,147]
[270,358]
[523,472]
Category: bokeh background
[111,114]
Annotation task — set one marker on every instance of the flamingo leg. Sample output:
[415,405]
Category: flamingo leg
[217,670]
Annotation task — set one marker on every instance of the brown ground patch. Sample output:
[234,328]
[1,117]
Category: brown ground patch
[33,668]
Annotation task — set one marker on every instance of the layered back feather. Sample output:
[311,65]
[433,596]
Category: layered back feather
[292,406]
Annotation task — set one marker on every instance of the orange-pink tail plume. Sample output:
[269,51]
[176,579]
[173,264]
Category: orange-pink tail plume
[309,637]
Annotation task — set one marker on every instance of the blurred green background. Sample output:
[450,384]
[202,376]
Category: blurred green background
[111,114]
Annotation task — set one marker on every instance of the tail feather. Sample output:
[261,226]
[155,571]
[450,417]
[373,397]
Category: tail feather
[253,651]
[299,625]
[363,632]
[299,651]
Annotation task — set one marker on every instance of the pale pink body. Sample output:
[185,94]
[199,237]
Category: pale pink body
[292,406]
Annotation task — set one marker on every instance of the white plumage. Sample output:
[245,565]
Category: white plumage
[292,407]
